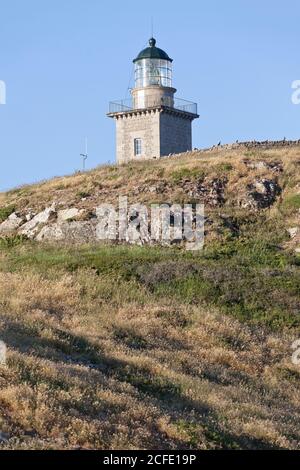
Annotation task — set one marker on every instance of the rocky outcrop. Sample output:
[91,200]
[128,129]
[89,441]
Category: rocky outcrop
[68,214]
[261,194]
[11,224]
[79,232]
[31,228]
[294,242]
[276,166]
[208,191]
[225,186]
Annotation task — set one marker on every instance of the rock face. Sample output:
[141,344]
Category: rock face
[261,194]
[80,232]
[208,191]
[253,185]
[11,224]
[31,228]
[68,214]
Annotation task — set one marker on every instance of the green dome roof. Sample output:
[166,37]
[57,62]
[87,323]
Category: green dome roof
[152,52]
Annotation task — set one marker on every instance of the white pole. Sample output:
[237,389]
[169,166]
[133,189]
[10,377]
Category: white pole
[84,155]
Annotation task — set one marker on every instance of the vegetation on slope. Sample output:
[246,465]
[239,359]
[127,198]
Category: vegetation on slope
[147,347]
[136,180]
[100,338]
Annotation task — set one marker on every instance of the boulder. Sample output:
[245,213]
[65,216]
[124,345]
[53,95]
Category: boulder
[11,224]
[68,214]
[261,194]
[30,214]
[293,231]
[71,232]
[31,228]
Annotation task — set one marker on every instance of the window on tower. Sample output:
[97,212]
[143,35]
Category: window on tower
[137,147]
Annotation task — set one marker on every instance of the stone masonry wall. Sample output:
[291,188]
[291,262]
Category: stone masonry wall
[144,125]
[175,134]
[162,133]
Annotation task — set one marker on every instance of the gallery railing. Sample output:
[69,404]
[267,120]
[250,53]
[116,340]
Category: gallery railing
[176,103]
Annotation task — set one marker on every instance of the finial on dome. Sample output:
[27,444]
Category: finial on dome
[152,42]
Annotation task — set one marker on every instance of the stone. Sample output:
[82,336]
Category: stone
[3,350]
[293,231]
[71,232]
[30,214]
[31,228]
[68,214]
[11,224]
[209,191]
[262,193]
[4,437]
[52,232]
[262,165]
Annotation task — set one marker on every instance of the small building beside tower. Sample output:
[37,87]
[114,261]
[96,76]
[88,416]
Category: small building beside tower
[153,123]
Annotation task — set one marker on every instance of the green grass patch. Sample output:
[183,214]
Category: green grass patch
[221,167]
[186,173]
[12,241]
[291,204]
[5,212]
[249,277]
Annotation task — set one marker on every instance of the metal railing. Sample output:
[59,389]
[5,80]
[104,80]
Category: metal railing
[186,106]
[176,103]
[120,106]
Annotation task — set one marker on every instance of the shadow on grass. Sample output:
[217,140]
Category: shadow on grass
[167,395]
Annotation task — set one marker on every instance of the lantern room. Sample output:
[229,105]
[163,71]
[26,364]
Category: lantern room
[153,66]
[153,78]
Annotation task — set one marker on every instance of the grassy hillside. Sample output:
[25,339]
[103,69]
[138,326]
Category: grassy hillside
[165,180]
[151,347]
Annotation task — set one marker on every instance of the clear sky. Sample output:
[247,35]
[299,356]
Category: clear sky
[64,60]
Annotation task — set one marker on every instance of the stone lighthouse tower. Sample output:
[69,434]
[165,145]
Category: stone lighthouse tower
[153,123]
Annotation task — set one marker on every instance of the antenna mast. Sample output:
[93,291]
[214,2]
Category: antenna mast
[84,155]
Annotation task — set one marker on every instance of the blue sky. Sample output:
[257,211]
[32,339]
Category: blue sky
[64,60]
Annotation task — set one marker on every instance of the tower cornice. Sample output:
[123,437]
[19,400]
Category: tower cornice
[154,109]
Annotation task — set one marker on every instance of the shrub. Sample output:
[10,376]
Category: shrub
[15,240]
[5,212]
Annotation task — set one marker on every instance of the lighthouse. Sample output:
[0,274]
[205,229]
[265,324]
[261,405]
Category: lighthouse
[154,123]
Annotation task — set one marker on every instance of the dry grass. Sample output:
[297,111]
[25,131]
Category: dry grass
[95,361]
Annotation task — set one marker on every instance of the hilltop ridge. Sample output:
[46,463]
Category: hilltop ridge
[231,181]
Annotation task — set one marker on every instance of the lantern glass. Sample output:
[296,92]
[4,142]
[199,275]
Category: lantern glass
[149,72]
